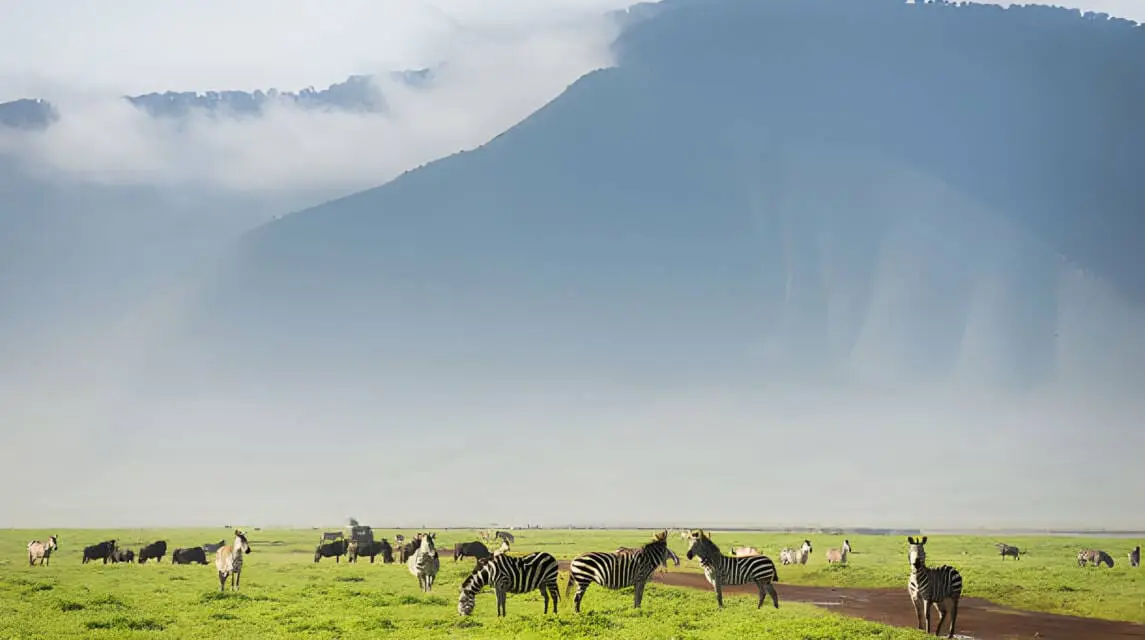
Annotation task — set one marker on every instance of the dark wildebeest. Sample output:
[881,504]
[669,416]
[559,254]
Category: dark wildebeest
[212,548]
[1135,556]
[123,555]
[154,551]
[1008,550]
[1094,556]
[369,549]
[189,556]
[335,550]
[101,551]
[471,550]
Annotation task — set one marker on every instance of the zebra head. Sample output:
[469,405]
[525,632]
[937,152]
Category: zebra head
[699,544]
[806,546]
[847,546]
[52,543]
[917,551]
[241,542]
[467,598]
[427,543]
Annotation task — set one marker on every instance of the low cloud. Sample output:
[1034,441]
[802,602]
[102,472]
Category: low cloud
[489,78]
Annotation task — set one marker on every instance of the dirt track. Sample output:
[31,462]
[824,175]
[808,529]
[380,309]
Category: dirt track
[977,618]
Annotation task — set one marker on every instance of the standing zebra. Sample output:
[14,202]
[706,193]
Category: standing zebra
[511,575]
[721,570]
[796,556]
[424,563]
[229,561]
[617,571]
[1135,556]
[931,587]
[839,555]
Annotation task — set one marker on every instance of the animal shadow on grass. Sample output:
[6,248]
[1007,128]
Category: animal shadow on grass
[126,624]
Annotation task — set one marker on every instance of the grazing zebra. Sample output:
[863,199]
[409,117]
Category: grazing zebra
[795,556]
[1095,557]
[229,561]
[1135,556]
[839,555]
[506,536]
[511,575]
[721,570]
[1008,550]
[42,551]
[617,571]
[424,563]
[931,587]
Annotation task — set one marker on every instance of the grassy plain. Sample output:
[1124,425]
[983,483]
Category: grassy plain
[286,595]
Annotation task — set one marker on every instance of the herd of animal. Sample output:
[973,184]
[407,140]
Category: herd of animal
[938,587]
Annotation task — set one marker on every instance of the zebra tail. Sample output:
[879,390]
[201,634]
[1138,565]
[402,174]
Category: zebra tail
[569,586]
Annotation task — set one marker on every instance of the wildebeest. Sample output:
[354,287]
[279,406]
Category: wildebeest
[1008,550]
[101,551]
[229,561]
[470,550]
[189,556]
[406,551]
[369,549]
[123,555]
[335,550]
[156,550]
[1135,556]
[42,551]
[839,555]
[1096,557]
[212,548]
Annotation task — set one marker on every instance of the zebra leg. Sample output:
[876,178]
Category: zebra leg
[637,594]
[953,617]
[929,608]
[774,595]
[719,595]
[942,611]
[222,581]
[555,594]
[499,591]
[917,602]
[581,587]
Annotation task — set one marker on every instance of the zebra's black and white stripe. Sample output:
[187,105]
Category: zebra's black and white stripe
[721,570]
[931,587]
[1008,550]
[1135,556]
[616,570]
[425,563]
[511,575]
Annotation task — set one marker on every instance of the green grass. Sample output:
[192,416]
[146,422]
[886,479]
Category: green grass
[286,595]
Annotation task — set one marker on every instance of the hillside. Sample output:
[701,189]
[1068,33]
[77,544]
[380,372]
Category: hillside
[827,191]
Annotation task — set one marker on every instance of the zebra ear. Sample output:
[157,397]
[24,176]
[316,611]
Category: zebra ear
[910,539]
[923,540]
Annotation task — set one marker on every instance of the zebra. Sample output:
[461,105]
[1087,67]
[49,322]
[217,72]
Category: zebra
[229,561]
[511,575]
[504,548]
[721,570]
[424,563]
[839,555]
[795,556]
[1008,550]
[1135,556]
[1095,557]
[931,587]
[617,571]
[42,551]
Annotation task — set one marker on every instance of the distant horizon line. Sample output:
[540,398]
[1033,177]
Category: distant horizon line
[804,529]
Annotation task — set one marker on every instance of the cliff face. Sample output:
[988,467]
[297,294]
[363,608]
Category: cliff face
[829,191]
